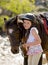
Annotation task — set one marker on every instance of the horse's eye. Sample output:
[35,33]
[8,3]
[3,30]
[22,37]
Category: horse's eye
[10,31]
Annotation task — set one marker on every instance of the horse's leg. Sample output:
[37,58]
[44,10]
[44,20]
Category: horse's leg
[46,55]
[26,60]
[40,61]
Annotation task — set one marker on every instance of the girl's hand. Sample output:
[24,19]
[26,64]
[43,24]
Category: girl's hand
[25,46]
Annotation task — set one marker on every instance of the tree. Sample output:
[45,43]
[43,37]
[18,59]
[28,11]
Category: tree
[18,6]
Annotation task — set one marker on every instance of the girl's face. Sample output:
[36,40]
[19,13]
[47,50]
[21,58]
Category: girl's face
[27,24]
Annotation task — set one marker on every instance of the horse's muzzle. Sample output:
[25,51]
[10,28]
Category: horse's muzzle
[15,50]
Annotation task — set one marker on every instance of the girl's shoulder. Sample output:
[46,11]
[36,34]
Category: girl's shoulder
[34,28]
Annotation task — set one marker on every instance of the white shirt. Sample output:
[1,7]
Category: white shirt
[36,48]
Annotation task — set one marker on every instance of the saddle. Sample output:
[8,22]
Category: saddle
[45,25]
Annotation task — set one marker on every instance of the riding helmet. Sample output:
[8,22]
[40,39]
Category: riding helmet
[29,17]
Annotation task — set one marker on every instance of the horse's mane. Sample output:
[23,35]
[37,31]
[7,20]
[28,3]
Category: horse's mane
[10,21]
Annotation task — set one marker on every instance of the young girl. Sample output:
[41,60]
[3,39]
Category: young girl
[33,43]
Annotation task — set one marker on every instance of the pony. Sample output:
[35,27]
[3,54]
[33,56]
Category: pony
[14,32]
[42,26]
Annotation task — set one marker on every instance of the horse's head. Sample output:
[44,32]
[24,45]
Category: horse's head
[13,31]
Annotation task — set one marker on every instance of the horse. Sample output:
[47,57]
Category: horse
[14,32]
[43,31]
[42,26]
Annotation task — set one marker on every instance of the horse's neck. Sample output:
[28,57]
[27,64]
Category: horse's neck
[25,37]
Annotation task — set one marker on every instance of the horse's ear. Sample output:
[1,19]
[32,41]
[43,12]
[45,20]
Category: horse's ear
[5,19]
[16,19]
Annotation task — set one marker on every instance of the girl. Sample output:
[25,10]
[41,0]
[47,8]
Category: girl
[33,42]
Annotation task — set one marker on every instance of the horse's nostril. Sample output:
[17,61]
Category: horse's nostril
[14,51]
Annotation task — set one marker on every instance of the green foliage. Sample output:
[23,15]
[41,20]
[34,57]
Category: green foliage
[26,6]
[43,9]
[2,20]
[17,6]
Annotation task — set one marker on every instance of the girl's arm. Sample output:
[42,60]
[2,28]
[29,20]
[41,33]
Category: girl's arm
[37,39]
